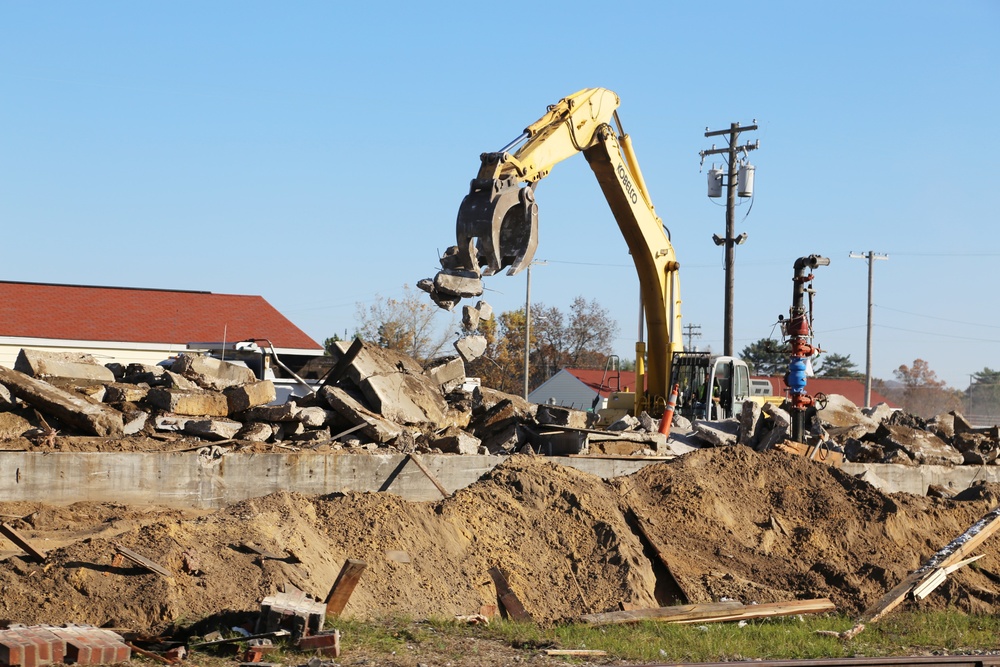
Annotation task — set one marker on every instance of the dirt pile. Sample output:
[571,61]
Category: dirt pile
[732,523]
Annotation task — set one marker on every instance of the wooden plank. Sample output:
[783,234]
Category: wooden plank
[697,611]
[772,609]
[22,542]
[937,577]
[714,612]
[948,555]
[423,468]
[345,584]
[142,561]
[507,597]
[575,651]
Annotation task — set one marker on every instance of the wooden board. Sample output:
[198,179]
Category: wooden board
[420,464]
[714,612]
[142,561]
[345,584]
[22,542]
[507,597]
[948,555]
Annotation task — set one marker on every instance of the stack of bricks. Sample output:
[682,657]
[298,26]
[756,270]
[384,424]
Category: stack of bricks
[38,645]
[296,612]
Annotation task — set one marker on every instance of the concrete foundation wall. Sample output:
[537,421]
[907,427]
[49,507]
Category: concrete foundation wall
[212,481]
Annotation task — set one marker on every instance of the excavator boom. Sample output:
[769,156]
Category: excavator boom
[497,223]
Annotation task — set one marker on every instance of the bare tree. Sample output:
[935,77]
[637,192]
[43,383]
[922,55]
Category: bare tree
[922,393]
[407,324]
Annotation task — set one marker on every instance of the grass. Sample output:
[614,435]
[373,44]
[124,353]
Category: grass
[778,638]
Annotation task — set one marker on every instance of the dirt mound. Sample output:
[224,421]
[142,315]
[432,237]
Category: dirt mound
[731,523]
[768,527]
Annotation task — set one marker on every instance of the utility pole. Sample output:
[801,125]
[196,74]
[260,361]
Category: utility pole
[871,257]
[693,331]
[730,241]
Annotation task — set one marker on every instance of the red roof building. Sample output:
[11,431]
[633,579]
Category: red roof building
[136,325]
[850,388]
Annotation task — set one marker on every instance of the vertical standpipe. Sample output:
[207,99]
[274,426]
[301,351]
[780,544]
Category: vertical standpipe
[799,332]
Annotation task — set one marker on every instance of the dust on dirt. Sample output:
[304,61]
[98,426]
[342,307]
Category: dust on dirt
[731,523]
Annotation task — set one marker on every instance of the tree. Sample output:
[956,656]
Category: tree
[833,365]
[584,339]
[922,393]
[407,325]
[329,344]
[766,357]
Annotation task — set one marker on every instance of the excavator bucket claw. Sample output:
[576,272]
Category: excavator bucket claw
[497,226]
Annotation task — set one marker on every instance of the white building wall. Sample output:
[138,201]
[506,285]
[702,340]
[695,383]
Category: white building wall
[104,352]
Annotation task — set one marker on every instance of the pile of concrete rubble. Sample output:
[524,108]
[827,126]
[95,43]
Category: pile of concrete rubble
[863,435]
[376,398]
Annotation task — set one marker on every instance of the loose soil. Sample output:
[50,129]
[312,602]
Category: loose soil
[731,523]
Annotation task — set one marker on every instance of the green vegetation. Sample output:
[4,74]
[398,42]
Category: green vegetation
[778,638]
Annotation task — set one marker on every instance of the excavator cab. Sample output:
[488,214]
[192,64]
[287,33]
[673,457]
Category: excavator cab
[709,387]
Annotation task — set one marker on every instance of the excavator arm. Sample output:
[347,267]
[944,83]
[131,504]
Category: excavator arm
[497,222]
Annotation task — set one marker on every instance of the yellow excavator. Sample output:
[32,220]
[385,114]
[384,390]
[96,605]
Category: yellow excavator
[497,227]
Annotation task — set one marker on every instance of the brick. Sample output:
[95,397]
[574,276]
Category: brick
[327,644]
[11,649]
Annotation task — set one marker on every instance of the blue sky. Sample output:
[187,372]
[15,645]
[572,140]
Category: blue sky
[316,153]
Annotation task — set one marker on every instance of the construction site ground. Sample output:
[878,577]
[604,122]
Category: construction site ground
[730,523]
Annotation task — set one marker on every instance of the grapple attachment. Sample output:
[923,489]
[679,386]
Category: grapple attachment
[497,226]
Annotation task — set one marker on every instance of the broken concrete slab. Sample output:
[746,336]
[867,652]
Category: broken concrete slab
[68,365]
[471,348]
[841,411]
[13,425]
[211,373]
[212,429]
[470,318]
[448,373]
[314,417]
[749,418]
[250,395]
[485,310]
[456,441]
[405,398]
[777,424]
[350,408]
[920,446]
[190,403]
[255,432]
[135,421]
[72,409]
[121,392]
[559,416]
[282,412]
[456,282]
[718,433]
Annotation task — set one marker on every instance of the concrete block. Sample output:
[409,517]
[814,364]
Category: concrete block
[749,418]
[560,416]
[6,400]
[170,423]
[405,398]
[283,412]
[178,381]
[456,441]
[212,373]
[153,376]
[920,446]
[350,408]
[255,432]
[485,310]
[120,392]
[212,429]
[471,348]
[718,433]
[12,425]
[456,282]
[374,360]
[448,373]
[134,421]
[42,364]
[314,417]
[193,403]
[249,395]
[72,409]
